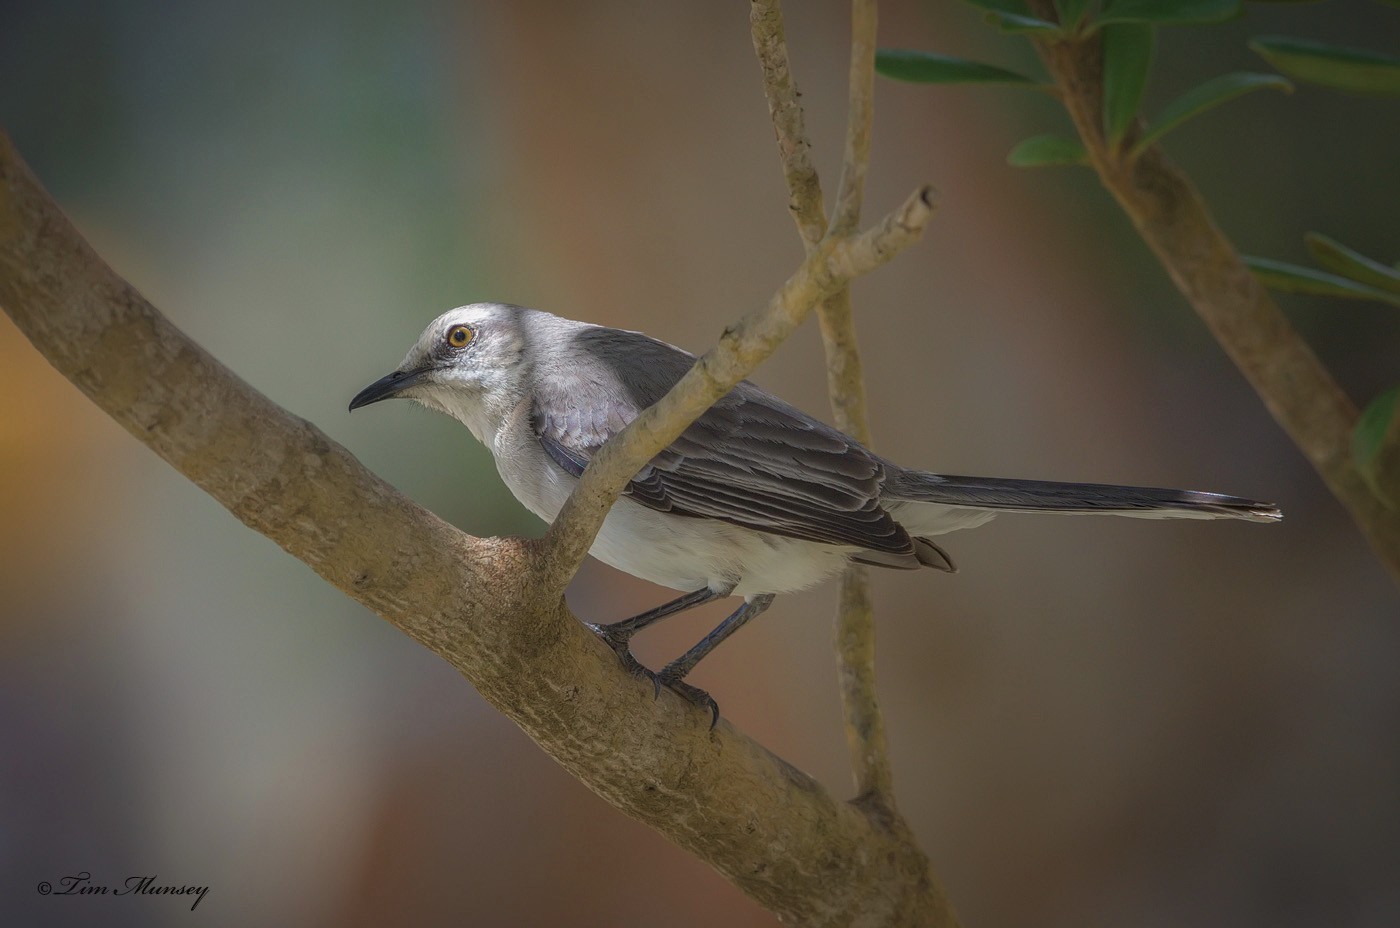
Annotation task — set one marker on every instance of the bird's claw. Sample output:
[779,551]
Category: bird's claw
[621,646]
[691,694]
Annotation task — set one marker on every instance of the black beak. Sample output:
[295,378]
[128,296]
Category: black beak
[386,387]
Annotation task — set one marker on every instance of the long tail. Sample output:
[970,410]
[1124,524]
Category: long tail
[993,493]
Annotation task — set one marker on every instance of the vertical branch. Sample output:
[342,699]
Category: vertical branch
[845,381]
[855,619]
[860,120]
[785,109]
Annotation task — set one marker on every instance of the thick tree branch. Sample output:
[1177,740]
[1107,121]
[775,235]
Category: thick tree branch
[855,614]
[478,603]
[741,348]
[1173,219]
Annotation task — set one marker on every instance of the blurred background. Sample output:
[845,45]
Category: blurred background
[1097,722]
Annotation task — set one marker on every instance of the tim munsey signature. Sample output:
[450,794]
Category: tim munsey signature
[81,884]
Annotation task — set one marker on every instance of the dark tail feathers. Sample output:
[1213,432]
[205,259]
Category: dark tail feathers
[1048,496]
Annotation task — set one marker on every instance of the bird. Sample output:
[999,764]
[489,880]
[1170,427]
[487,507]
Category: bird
[755,499]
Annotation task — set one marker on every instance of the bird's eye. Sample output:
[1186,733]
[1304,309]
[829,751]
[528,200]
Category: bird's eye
[459,336]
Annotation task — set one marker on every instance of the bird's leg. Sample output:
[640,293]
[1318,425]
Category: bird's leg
[671,675]
[618,635]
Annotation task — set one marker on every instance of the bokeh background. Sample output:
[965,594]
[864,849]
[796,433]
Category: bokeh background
[1097,722]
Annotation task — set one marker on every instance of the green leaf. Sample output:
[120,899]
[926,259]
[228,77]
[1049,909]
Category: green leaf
[999,6]
[1368,437]
[1293,278]
[1046,151]
[1340,259]
[1210,94]
[1016,23]
[1127,59]
[1169,12]
[1351,69]
[1013,16]
[930,68]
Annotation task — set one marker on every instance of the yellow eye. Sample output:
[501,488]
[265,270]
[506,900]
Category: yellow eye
[459,336]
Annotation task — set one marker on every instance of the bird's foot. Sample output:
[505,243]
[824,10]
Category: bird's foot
[691,694]
[620,642]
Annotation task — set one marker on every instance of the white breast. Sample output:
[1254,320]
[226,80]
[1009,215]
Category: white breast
[679,552]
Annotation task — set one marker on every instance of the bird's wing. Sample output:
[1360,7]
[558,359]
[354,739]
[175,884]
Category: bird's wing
[751,460]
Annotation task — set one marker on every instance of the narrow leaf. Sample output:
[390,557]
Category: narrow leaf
[999,6]
[1368,437]
[930,68]
[1210,94]
[1351,69]
[1045,151]
[1127,59]
[1016,23]
[1293,278]
[1169,12]
[1340,259]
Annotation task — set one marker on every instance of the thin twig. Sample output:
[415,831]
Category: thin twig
[860,119]
[785,109]
[855,614]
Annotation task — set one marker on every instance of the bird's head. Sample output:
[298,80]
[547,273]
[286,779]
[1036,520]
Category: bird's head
[467,363]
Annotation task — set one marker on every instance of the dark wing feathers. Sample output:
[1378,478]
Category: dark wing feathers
[751,460]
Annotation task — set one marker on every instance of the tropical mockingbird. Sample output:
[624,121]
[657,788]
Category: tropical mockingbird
[756,498]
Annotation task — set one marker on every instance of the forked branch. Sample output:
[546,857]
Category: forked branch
[742,347]
[493,607]
[481,604]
